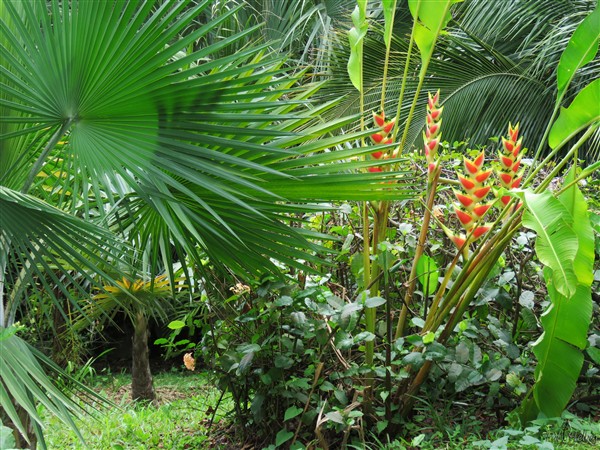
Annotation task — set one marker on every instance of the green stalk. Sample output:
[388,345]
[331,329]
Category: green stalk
[403,85]
[548,179]
[418,252]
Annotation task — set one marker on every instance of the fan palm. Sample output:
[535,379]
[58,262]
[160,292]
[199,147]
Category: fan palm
[196,153]
[140,299]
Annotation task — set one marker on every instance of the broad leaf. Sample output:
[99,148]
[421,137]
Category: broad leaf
[560,349]
[581,113]
[356,37]
[556,244]
[430,18]
[427,274]
[575,203]
[581,49]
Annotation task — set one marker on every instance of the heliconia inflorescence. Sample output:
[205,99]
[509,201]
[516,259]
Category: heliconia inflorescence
[381,137]
[510,160]
[432,135]
[471,206]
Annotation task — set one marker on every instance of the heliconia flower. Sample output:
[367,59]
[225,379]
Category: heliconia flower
[464,217]
[513,132]
[483,175]
[382,137]
[470,210]
[510,161]
[432,135]
[465,200]
[481,192]
[467,184]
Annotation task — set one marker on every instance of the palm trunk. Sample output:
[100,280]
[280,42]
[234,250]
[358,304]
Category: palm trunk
[141,377]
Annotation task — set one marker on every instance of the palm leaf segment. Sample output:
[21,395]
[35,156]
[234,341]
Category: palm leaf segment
[205,148]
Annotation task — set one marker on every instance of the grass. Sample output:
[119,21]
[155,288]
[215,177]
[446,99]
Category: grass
[180,420]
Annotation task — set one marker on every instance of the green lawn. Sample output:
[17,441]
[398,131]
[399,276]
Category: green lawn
[179,421]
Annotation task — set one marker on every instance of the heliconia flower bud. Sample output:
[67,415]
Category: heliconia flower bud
[464,217]
[467,184]
[379,119]
[482,176]
[433,144]
[375,169]
[480,231]
[459,241]
[505,199]
[482,192]
[388,142]
[506,179]
[507,162]
[470,167]
[516,183]
[481,210]
[431,167]
[465,200]
[377,155]
[377,138]
[513,132]
[388,126]
[433,100]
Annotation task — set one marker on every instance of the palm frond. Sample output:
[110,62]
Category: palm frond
[44,249]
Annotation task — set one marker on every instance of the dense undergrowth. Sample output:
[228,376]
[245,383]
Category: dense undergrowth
[190,414]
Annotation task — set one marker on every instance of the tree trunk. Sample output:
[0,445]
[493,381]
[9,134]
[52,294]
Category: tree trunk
[141,377]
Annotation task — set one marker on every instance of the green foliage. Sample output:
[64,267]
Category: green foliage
[559,349]
[580,50]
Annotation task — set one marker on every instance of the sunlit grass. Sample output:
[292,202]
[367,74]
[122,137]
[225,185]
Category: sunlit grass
[186,402]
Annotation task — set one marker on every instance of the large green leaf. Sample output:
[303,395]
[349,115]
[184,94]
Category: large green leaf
[576,205]
[556,244]
[428,274]
[559,350]
[198,137]
[581,49]
[583,111]
[430,18]
[356,36]
[41,239]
